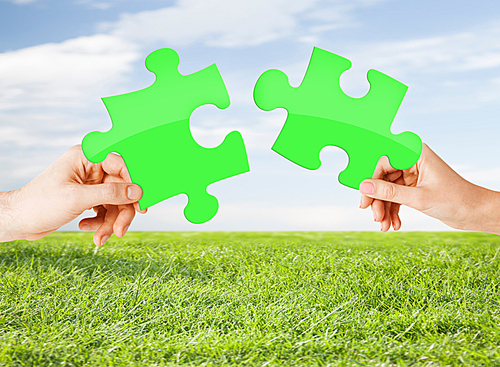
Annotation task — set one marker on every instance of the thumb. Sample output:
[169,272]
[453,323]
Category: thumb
[388,191]
[109,193]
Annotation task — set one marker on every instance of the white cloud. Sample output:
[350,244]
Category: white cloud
[456,69]
[452,62]
[227,23]
[47,94]
[63,74]
[452,72]
[475,49]
[29,137]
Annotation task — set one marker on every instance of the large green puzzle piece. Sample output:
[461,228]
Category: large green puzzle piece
[320,114]
[151,132]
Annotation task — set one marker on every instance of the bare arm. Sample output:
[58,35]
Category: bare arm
[64,191]
[435,189]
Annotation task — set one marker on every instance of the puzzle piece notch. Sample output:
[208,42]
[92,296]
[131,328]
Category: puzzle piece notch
[321,114]
[205,166]
[172,97]
[151,132]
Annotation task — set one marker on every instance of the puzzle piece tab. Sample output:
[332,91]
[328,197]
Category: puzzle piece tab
[320,114]
[151,132]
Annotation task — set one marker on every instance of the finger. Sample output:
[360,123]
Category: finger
[365,202]
[108,178]
[388,191]
[114,169]
[394,213]
[385,224]
[114,165]
[378,209]
[90,224]
[138,209]
[93,224]
[396,220]
[383,168]
[106,229]
[393,176]
[125,216]
[106,193]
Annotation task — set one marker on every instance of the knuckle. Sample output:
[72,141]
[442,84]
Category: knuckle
[75,150]
[111,156]
[389,192]
[111,191]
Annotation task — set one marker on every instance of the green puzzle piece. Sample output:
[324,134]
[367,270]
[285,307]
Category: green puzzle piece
[320,114]
[151,132]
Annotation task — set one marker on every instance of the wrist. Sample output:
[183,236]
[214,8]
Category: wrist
[9,228]
[488,219]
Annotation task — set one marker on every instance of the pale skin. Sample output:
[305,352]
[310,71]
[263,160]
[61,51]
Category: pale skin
[65,190]
[435,189]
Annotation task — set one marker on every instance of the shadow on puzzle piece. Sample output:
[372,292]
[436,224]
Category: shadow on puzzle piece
[320,114]
[151,132]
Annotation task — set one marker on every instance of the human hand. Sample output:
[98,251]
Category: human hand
[65,190]
[435,189]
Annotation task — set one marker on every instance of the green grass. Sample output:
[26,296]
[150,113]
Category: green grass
[262,299]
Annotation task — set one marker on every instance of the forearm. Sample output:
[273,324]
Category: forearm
[488,218]
[8,218]
[468,207]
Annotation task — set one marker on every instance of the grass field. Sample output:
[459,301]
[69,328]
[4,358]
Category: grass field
[261,299]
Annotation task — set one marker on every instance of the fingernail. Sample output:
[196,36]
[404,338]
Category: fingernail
[367,188]
[381,226]
[125,230]
[104,239]
[134,193]
[85,227]
[374,216]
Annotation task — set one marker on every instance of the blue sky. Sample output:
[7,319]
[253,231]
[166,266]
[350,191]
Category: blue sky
[58,58]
